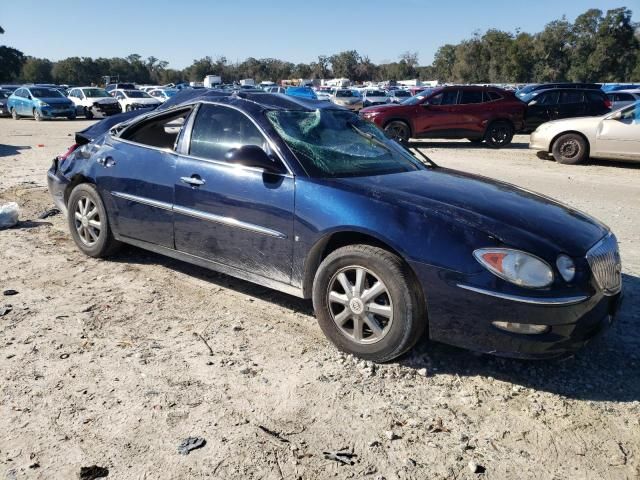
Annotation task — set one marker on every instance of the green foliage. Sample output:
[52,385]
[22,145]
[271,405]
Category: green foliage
[596,47]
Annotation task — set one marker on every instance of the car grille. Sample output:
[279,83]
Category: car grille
[604,260]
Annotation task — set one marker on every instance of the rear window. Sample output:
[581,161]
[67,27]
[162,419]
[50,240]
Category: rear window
[595,96]
[493,96]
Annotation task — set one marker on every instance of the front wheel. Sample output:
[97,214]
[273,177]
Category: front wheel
[88,222]
[499,134]
[570,149]
[367,303]
[128,108]
[37,114]
[88,114]
[398,130]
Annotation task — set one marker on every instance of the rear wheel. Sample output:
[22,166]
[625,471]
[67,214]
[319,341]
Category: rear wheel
[37,114]
[128,108]
[499,134]
[88,114]
[570,149]
[367,303]
[88,222]
[14,114]
[398,130]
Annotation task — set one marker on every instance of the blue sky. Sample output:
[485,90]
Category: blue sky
[297,31]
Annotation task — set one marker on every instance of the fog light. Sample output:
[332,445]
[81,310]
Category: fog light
[524,328]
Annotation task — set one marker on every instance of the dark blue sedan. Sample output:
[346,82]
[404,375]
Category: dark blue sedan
[307,198]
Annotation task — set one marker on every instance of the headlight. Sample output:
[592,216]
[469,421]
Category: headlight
[42,104]
[566,267]
[515,266]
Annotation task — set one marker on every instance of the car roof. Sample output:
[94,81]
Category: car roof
[597,90]
[635,91]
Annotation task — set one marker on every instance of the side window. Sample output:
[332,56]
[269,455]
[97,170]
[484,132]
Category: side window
[18,92]
[448,97]
[217,129]
[571,97]
[598,97]
[549,98]
[159,132]
[471,96]
[492,96]
[625,97]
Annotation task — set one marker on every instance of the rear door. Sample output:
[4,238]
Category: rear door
[232,214]
[570,104]
[471,111]
[136,173]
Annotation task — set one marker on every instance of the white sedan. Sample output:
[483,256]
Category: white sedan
[134,99]
[613,136]
[162,94]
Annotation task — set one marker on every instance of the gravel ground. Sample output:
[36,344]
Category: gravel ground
[105,362]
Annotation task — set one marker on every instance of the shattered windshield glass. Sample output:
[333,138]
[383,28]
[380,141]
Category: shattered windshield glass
[337,143]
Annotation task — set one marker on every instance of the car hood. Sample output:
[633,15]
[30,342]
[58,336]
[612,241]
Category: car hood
[56,101]
[102,100]
[579,123]
[516,217]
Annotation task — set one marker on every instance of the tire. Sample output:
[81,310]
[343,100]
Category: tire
[88,114]
[398,131]
[92,240]
[499,134]
[14,114]
[71,117]
[570,149]
[37,115]
[401,316]
[128,108]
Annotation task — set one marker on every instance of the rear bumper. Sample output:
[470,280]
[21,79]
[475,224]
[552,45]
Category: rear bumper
[57,184]
[463,317]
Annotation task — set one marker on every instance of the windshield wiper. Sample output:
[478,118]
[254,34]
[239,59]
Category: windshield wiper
[412,151]
[370,137]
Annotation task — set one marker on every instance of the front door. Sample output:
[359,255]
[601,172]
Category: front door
[437,114]
[235,215]
[620,138]
[541,109]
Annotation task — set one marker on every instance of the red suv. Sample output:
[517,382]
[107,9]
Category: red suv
[480,114]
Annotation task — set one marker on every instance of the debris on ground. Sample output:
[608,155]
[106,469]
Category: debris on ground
[9,292]
[273,433]
[9,214]
[5,310]
[189,444]
[342,456]
[204,340]
[93,472]
[476,468]
[49,213]
[437,427]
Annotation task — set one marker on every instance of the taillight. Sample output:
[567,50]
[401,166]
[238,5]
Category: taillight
[607,103]
[72,149]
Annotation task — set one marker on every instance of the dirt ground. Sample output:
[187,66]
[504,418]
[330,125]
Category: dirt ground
[103,362]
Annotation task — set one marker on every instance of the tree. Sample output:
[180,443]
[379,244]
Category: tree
[344,64]
[443,62]
[616,47]
[37,70]
[585,30]
[552,48]
[11,61]
[470,64]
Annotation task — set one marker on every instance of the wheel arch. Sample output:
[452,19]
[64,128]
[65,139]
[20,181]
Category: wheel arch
[500,119]
[566,132]
[403,120]
[76,180]
[342,238]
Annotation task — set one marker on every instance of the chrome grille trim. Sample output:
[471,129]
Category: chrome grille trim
[604,260]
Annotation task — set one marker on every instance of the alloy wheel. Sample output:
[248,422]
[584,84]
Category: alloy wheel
[360,305]
[87,221]
[499,134]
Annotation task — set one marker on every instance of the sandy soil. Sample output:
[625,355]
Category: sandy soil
[103,362]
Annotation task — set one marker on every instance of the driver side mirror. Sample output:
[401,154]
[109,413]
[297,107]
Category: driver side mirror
[252,156]
[615,115]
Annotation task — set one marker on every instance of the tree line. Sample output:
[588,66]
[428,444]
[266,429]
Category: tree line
[597,47]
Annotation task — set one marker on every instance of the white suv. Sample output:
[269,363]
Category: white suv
[93,101]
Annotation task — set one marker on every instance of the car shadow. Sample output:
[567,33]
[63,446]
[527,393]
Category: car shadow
[605,370]
[10,150]
[463,144]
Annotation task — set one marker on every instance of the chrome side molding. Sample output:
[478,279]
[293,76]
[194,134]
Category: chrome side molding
[551,301]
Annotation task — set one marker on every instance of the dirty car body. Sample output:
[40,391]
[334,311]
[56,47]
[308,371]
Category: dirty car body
[282,224]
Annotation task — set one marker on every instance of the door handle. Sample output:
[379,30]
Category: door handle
[194,180]
[106,161]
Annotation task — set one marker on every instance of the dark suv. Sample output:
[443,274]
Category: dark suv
[527,93]
[476,113]
[559,103]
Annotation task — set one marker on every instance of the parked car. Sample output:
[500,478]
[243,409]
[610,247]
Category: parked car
[614,136]
[526,93]
[347,98]
[40,103]
[4,96]
[120,86]
[324,95]
[93,101]
[11,88]
[614,87]
[303,92]
[309,199]
[135,99]
[163,94]
[477,113]
[560,103]
[622,98]
[275,90]
[374,97]
[398,96]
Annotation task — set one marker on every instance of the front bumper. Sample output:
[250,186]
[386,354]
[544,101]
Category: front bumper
[539,142]
[463,317]
[52,112]
[106,109]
